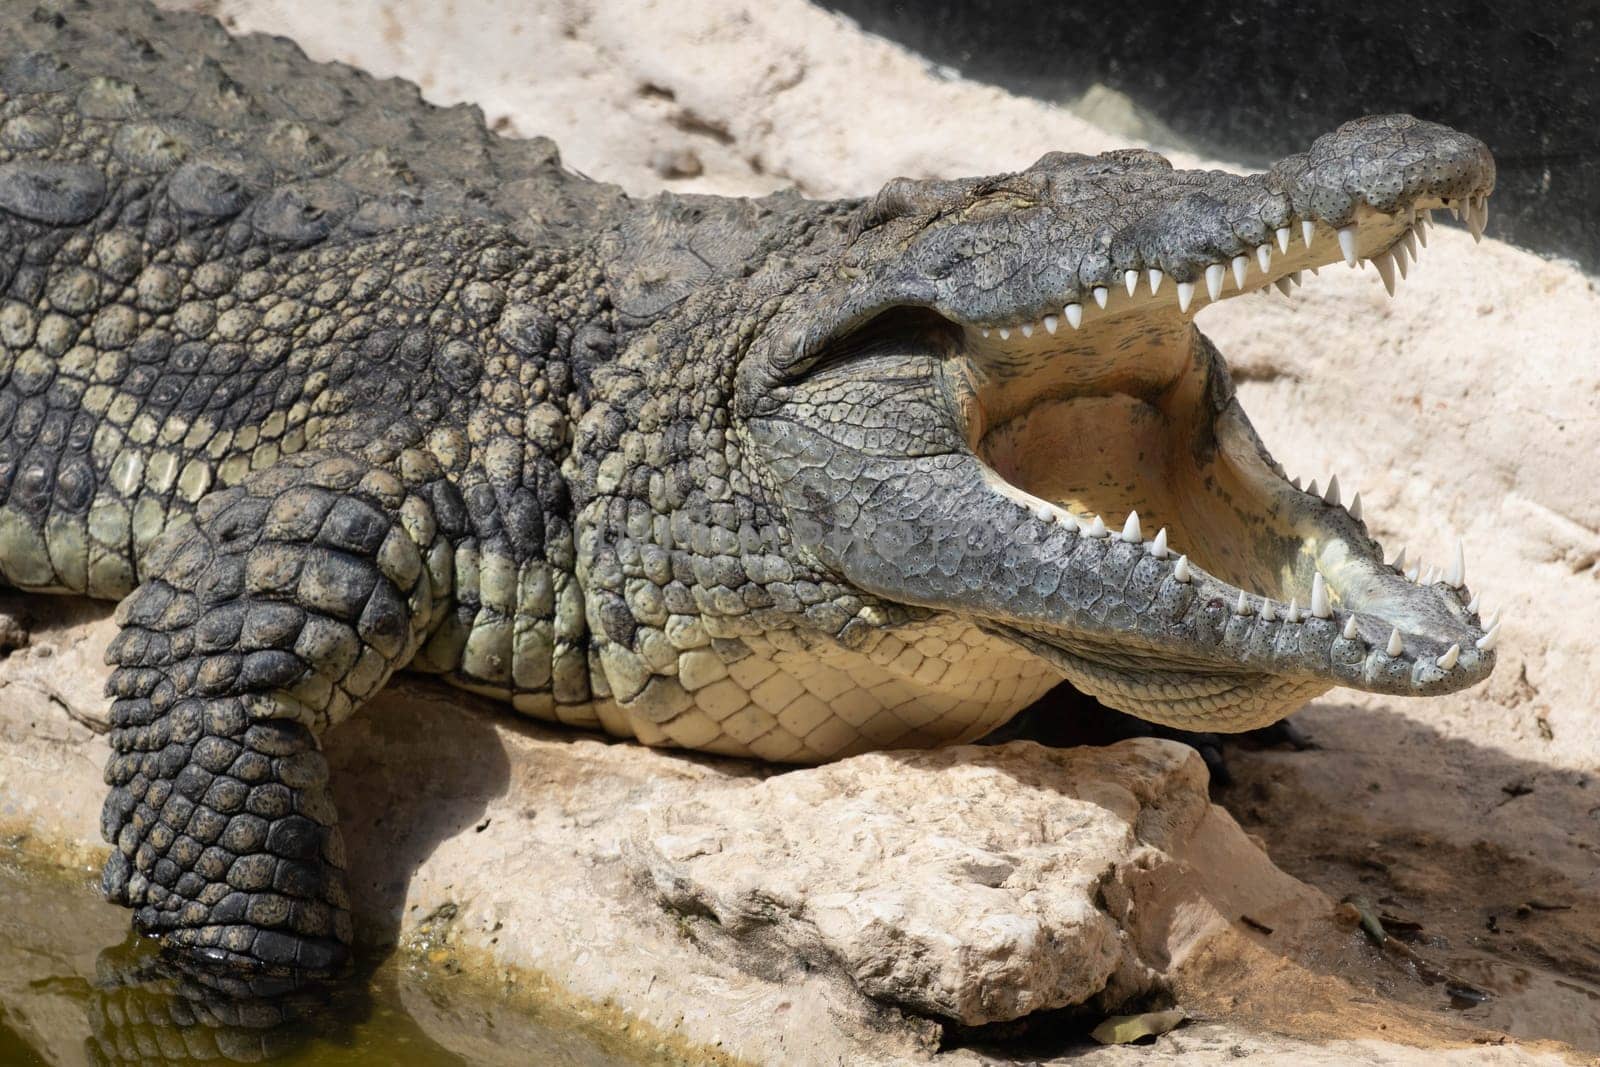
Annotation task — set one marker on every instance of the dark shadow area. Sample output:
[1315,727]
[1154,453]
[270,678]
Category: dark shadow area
[414,768]
[1061,1033]
[1486,865]
[1254,83]
[1064,718]
[1488,862]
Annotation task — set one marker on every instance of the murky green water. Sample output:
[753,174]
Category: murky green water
[76,989]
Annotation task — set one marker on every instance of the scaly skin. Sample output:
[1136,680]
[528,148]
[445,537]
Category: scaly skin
[327,383]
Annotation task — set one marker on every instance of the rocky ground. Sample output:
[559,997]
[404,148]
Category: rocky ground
[827,915]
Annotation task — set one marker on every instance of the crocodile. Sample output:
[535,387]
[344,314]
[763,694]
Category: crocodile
[322,382]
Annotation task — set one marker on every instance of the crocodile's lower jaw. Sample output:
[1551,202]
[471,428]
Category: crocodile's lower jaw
[1117,422]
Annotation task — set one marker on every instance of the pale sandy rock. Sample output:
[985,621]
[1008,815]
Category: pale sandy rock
[964,883]
[854,904]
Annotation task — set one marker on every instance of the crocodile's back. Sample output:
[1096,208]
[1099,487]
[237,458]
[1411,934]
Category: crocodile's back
[189,224]
[135,83]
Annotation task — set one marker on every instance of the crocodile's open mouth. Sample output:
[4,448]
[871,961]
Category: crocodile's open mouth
[1112,420]
[1116,417]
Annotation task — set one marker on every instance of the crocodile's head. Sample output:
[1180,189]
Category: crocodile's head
[998,406]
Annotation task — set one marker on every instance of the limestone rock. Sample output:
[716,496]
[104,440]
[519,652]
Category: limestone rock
[963,883]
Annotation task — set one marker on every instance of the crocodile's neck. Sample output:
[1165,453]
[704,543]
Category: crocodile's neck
[603,342]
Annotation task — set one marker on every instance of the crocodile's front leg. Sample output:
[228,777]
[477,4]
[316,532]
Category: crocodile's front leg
[287,602]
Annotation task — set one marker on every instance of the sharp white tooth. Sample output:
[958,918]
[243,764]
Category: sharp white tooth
[1347,244]
[1451,655]
[1214,275]
[984,331]
[1293,614]
[1395,646]
[1283,239]
[1074,314]
[1268,612]
[1487,642]
[1454,207]
[1242,605]
[1158,547]
[1474,222]
[1295,481]
[1431,577]
[1456,576]
[1299,277]
[1494,620]
[1415,572]
[1409,240]
[1050,324]
[1483,213]
[1130,278]
[1399,562]
[1241,268]
[1349,631]
[1005,334]
[1331,497]
[1027,329]
[1421,230]
[1263,258]
[1100,295]
[1154,277]
[1283,285]
[1319,598]
[1097,528]
[1355,507]
[1312,488]
[1385,264]
[1308,230]
[1130,529]
[1399,254]
[1180,569]
[1474,603]
[1185,295]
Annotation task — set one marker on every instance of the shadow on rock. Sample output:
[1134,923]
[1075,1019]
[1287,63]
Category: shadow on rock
[1483,865]
[1487,862]
[415,768]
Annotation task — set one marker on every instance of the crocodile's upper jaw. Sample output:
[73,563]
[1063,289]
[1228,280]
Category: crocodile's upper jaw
[1012,418]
